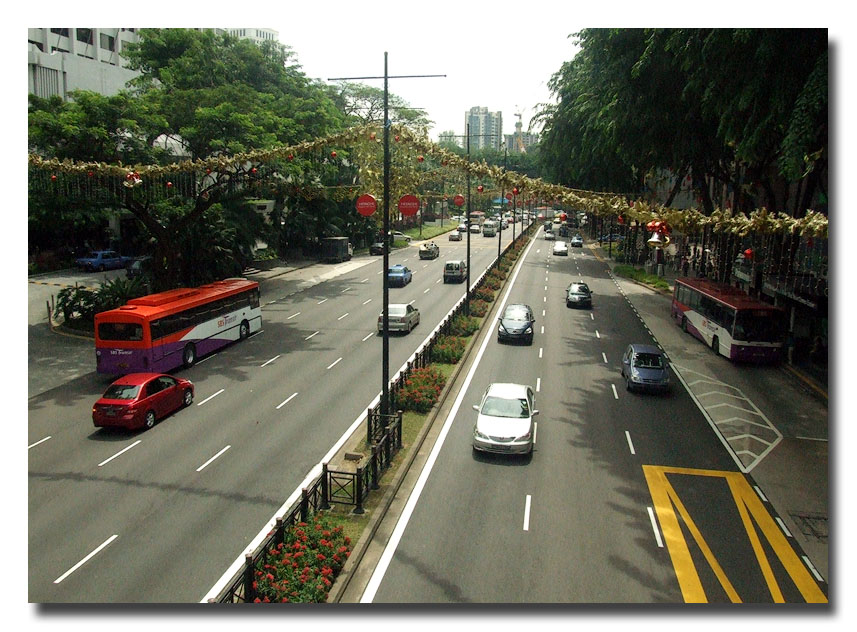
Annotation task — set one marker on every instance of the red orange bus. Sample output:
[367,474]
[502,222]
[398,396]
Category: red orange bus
[725,318]
[161,331]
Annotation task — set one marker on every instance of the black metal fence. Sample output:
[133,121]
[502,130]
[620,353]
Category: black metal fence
[384,435]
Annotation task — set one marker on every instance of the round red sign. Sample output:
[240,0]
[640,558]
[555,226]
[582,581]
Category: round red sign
[458,200]
[409,205]
[366,205]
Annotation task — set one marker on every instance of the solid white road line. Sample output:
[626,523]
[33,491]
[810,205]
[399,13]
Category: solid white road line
[32,445]
[120,452]
[655,528]
[207,463]
[287,400]
[86,559]
[527,513]
[210,397]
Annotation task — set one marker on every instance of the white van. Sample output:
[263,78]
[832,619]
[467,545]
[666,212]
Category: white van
[455,271]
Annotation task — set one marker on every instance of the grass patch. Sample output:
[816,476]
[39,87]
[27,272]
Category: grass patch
[641,276]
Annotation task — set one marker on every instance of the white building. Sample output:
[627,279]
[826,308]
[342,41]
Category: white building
[486,128]
[257,35]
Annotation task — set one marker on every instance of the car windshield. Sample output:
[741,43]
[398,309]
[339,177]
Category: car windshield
[648,361]
[396,271]
[578,289]
[122,391]
[500,407]
[516,313]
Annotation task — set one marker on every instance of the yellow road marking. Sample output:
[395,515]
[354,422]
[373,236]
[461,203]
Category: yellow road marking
[668,504]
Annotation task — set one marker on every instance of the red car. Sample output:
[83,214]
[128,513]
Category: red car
[138,400]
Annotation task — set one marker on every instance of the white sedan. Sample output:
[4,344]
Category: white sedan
[505,421]
[401,317]
[560,248]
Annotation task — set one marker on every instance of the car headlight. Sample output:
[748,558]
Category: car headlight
[525,437]
[635,376]
[479,435]
[528,330]
[501,328]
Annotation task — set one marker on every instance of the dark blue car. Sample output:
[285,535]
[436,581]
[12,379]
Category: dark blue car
[399,275]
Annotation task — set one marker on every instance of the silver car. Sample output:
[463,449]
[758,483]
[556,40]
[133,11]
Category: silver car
[644,367]
[505,422]
[401,317]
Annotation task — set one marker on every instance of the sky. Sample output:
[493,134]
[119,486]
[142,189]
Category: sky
[499,55]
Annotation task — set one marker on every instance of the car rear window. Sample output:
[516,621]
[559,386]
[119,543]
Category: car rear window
[648,361]
[122,391]
[397,310]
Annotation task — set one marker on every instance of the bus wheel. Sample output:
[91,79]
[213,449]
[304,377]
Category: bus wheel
[715,345]
[684,324]
[189,356]
[243,330]
[150,419]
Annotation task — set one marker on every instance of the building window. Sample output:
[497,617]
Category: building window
[84,35]
[37,45]
[60,32]
[108,42]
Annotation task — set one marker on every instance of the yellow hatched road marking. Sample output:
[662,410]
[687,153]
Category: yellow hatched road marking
[667,504]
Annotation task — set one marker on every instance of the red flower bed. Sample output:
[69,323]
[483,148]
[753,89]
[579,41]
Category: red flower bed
[421,390]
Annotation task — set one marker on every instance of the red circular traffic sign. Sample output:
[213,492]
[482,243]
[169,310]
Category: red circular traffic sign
[409,205]
[366,205]
[458,200]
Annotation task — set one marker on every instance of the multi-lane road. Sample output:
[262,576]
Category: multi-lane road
[158,516]
[628,498]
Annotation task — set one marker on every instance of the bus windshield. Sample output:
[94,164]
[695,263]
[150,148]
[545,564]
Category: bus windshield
[759,325]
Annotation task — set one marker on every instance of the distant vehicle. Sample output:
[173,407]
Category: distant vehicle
[102,260]
[578,295]
[462,227]
[336,249]
[644,367]
[455,236]
[615,237]
[489,229]
[400,317]
[399,236]
[399,275]
[549,235]
[564,230]
[138,267]
[455,271]
[429,250]
[139,400]
[474,228]
[377,248]
[577,241]
[560,249]
[729,321]
[516,324]
[505,423]
[161,331]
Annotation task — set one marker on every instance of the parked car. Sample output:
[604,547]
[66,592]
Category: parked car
[577,241]
[578,295]
[400,317]
[429,250]
[399,275]
[377,248]
[644,367]
[138,400]
[455,236]
[516,323]
[102,260]
[549,235]
[505,423]
[399,236]
[615,237]
[455,271]
[138,266]
[560,248]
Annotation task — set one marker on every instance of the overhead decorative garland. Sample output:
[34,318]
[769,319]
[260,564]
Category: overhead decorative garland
[366,139]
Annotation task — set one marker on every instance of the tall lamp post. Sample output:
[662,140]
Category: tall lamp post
[385,319]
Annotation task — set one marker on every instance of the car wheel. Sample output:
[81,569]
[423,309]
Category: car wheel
[189,355]
[101,268]
[243,330]
[149,420]
[627,385]
[187,399]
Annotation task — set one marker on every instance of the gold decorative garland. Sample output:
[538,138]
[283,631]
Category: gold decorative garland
[365,142]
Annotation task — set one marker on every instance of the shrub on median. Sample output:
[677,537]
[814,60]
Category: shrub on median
[421,390]
[448,349]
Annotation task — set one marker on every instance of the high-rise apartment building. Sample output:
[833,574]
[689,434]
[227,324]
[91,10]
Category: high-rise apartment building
[257,35]
[486,128]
